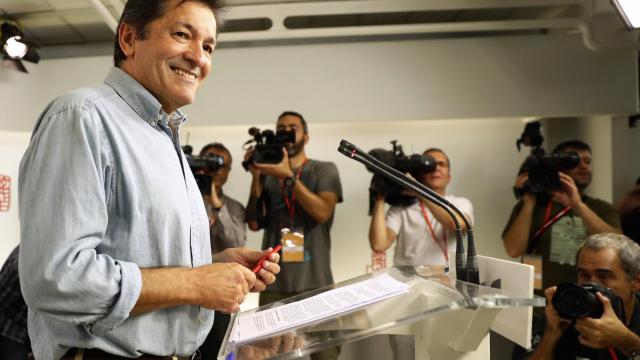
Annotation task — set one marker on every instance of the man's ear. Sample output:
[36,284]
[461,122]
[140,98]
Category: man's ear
[635,283]
[127,39]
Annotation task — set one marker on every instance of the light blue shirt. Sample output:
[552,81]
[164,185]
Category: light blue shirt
[105,190]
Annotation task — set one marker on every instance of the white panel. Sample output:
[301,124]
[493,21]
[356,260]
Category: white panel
[12,146]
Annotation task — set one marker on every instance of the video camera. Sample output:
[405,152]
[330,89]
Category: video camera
[201,166]
[413,164]
[268,146]
[573,301]
[543,169]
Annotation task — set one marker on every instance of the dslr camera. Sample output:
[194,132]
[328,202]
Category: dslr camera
[412,164]
[542,168]
[268,146]
[201,166]
[574,301]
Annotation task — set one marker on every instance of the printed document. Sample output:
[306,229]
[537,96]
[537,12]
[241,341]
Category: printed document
[322,306]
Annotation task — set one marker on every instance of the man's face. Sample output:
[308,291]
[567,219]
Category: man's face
[175,57]
[582,173]
[438,179]
[603,267]
[220,176]
[293,123]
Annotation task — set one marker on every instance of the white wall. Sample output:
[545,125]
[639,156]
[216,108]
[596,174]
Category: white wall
[484,77]
[625,156]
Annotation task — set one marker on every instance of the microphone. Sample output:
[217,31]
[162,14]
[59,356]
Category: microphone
[467,273]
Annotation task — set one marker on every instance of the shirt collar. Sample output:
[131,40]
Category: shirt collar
[140,99]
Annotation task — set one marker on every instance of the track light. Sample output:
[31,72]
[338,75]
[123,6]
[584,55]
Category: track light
[15,47]
[630,12]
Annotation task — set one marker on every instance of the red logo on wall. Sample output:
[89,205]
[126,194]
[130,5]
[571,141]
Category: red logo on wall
[5,192]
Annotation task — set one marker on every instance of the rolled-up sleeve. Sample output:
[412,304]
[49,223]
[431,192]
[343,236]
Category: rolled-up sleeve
[63,191]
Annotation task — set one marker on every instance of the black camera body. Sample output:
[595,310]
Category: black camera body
[574,301]
[268,146]
[542,168]
[201,166]
[413,164]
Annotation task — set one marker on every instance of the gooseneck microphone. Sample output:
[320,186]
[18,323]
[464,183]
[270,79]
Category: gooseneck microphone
[468,272]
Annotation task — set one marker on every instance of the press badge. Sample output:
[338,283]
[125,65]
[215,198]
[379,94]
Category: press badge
[536,262]
[292,245]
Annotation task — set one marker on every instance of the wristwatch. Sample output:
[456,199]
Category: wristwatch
[635,355]
[289,182]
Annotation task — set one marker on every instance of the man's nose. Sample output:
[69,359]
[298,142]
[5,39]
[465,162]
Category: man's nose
[197,56]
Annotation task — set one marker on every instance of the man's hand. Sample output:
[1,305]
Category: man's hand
[255,172]
[281,171]
[249,258]
[569,195]
[607,331]
[268,348]
[223,286]
[215,200]
[521,180]
[555,324]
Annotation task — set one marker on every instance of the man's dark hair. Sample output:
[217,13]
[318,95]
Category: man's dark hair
[571,144]
[305,128]
[217,146]
[432,149]
[139,13]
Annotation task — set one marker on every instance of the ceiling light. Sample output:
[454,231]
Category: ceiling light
[630,12]
[15,47]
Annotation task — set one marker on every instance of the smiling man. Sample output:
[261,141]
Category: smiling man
[116,260]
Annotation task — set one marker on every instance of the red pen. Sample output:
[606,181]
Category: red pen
[262,260]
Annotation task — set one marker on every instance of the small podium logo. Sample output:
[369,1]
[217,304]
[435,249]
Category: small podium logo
[5,193]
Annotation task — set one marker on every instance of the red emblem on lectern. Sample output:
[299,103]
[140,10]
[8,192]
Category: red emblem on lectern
[5,192]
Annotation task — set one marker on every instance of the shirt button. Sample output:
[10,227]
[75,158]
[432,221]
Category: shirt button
[153,123]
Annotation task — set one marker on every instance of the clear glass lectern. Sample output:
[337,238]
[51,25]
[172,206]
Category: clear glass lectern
[444,314]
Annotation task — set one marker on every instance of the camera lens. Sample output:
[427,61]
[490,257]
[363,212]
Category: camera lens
[572,301]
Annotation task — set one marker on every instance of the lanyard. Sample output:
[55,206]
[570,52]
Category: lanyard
[443,244]
[291,204]
[548,220]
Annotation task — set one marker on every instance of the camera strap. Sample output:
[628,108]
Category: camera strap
[291,203]
[548,220]
[442,245]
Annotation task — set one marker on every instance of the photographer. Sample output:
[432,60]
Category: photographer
[550,231]
[297,194]
[613,261]
[226,230]
[425,232]
[226,215]
[294,201]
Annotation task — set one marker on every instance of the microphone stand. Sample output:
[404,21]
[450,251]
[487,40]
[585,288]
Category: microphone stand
[467,273]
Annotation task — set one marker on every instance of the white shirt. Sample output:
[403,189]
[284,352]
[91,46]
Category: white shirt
[414,243]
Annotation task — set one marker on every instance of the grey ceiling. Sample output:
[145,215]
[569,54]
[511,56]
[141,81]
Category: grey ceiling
[77,22]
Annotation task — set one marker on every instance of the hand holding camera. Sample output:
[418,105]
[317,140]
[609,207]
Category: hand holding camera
[568,195]
[608,331]
[542,170]
[597,311]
